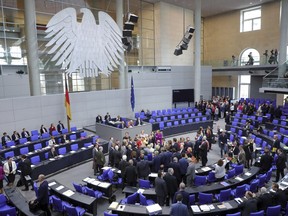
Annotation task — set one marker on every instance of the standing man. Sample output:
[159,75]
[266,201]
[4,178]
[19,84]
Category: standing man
[171,183]
[179,209]
[99,159]
[130,174]
[280,164]
[60,127]
[43,195]
[143,168]
[190,173]
[160,188]
[183,166]
[25,167]
[222,142]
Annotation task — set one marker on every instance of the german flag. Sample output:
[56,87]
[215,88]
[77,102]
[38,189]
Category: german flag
[67,102]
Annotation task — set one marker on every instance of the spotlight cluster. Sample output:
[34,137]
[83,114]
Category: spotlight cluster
[183,45]
[127,31]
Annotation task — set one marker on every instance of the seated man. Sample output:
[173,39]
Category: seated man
[5,138]
[99,119]
[15,137]
[138,121]
[25,134]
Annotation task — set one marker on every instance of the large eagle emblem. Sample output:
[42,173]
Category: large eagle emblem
[84,47]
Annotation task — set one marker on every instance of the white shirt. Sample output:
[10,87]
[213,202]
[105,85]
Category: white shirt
[220,170]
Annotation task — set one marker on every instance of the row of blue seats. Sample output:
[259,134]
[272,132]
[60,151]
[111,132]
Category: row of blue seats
[36,136]
[36,159]
[176,116]
[168,124]
[173,111]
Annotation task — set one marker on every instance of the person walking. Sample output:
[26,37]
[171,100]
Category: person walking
[10,170]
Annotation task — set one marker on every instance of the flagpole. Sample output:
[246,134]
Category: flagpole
[68,120]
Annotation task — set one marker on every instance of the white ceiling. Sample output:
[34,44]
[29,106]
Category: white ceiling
[213,7]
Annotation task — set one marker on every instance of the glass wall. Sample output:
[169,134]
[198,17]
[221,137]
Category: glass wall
[13,47]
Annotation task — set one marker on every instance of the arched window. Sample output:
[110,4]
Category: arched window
[244,59]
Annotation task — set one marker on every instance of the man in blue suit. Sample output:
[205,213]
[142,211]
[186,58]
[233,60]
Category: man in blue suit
[43,195]
[179,209]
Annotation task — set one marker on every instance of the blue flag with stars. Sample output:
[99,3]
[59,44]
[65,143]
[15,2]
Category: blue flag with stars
[132,98]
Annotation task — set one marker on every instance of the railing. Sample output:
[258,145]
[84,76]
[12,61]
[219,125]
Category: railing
[273,80]
[234,63]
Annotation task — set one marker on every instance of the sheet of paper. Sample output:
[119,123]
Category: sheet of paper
[195,208]
[284,183]
[154,208]
[153,175]
[224,183]
[95,182]
[113,205]
[83,148]
[72,152]
[221,206]
[86,179]
[106,167]
[68,193]
[205,169]
[140,191]
[228,206]
[51,184]
[60,187]
[204,208]
[121,208]
[238,178]
[248,174]
[104,184]
[211,206]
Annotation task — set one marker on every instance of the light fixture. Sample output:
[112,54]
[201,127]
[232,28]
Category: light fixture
[129,26]
[183,44]
[127,31]
[251,72]
[132,18]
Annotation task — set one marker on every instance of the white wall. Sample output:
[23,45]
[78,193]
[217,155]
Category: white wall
[31,112]
[170,24]
[14,85]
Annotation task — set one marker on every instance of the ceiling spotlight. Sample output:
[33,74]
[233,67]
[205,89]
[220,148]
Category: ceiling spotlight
[127,33]
[184,46]
[178,51]
[251,72]
[129,26]
[190,29]
[132,18]
[187,37]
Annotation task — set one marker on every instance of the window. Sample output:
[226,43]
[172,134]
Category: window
[250,19]
[246,60]
[244,86]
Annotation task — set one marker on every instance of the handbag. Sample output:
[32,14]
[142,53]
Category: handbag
[33,205]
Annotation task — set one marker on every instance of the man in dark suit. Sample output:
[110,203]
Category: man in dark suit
[183,166]
[15,137]
[279,196]
[107,118]
[116,156]
[179,209]
[280,164]
[176,167]
[266,161]
[43,129]
[43,195]
[60,126]
[160,188]
[5,138]
[249,205]
[184,194]
[156,162]
[123,164]
[190,172]
[171,183]
[25,167]
[138,122]
[25,134]
[276,143]
[130,174]
[143,168]
[264,200]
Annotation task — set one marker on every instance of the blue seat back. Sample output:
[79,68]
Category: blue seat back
[62,151]
[9,154]
[37,146]
[74,147]
[24,150]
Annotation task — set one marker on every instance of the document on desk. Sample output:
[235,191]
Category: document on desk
[83,148]
[211,206]
[51,159]
[221,206]
[155,208]
[113,205]
[106,167]
[60,187]
[95,182]
[61,156]
[68,193]
[51,184]
[90,180]
[205,169]
[196,171]
[104,184]
[248,174]
[284,183]
[204,208]
[238,178]
[224,183]
[86,179]
[72,152]
[195,208]
[228,206]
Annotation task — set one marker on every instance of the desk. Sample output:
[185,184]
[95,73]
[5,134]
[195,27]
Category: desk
[53,165]
[270,141]
[131,210]
[148,193]
[230,206]
[216,187]
[75,198]
[107,131]
[104,187]
[20,202]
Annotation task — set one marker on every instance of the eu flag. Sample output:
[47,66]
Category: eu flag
[132,98]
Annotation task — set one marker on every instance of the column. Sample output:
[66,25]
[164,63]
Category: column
[283,37]
[197,56]
[122,69]
[32,46]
